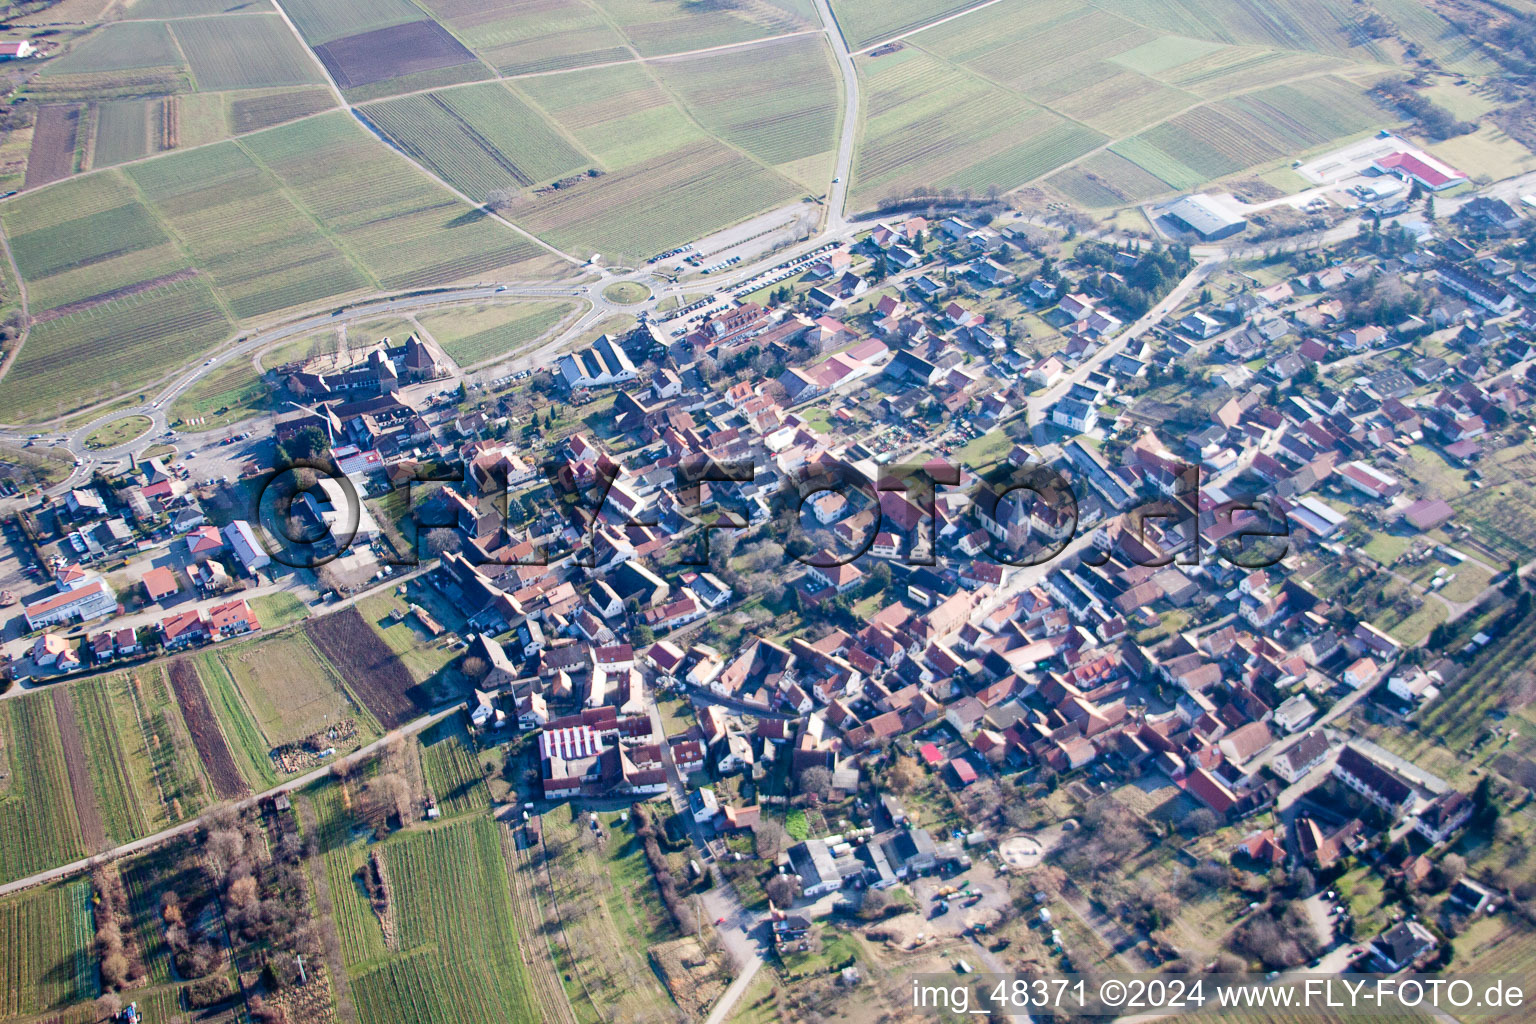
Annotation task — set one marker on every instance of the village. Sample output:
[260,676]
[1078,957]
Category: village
[935,719]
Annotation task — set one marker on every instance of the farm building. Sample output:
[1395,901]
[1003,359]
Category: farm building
[16,49]
[604,363]
[1202,215]
[1420,167]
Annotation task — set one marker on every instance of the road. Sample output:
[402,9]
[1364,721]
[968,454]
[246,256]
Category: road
[186,827]
[837,195]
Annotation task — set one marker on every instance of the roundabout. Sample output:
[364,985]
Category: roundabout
[626,293]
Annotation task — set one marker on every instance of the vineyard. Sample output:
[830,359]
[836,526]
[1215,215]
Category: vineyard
[123,131]
[172,761]
[672,25]
[122,791]
[698,187]
[460,959]
[46,959]
[131,340]
[120,46]
[619,114]
[518,38]
[471,336]
[55,139]
[1107,179]
[404,230]
[479,138]
[451,770]
[38,829]
[262,252]
[369,668]
[778,101]
[320,21]
[244,52]
[867,22]
[253,113]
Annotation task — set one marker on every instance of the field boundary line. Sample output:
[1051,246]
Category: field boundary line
[923,28]
[21,293]
[352,109]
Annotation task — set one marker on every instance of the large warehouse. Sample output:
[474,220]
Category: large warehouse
[1200,214]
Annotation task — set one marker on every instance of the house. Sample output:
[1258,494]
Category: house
[160,583]
[1445,814]
[185,628]
[1401,946]
[605,362]
[816,867]
[1377,783]
[1201,325]
[52,650]
[231,618]
[703,805]
[1302,756]
[245,547]
[203,544]
[1074,415]
[87,600]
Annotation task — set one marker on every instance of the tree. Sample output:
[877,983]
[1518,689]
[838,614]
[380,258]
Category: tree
[769,838]
[783,890]
[1199,822]
[817,780]
[642,635]
[500,199]
[475,667]
[876,903]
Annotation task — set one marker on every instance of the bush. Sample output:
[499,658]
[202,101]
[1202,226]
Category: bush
[209,991]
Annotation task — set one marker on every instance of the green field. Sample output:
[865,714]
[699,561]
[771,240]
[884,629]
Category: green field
[233,393]
[320,21]
[38,828]
[237,720]
[402,229]
[457,958]
[46,960]
[933,127]
[451,771]
[619,114]
[283,686]
[125,130]
[244,52]
[479,139]
[120,773]
[475,334]
[667,26]
[275,611]
[249,113]
[120,46]
[778,101]
[518,38]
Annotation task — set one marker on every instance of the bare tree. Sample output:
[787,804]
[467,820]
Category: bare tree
[783,890]
[817,780]
[770,838]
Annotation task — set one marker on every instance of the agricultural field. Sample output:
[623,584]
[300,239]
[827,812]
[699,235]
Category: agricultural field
[778,101]
[159,752]
[403,229]
[244,52]
[38,826]
[54,153]
[47,960]
[368,666]
[1105,180]
[193,8]
[278,610]
[233,393]
[416,55]
[125,130]
[253,113]
[668,26]
[451,770]
[120,46]
[457,958]
[238,724]
[598,887]
[288,687]
[479,139]
[203,727]
[682,192]
[421,654]
[475,334]
[517,37]
[931,127]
